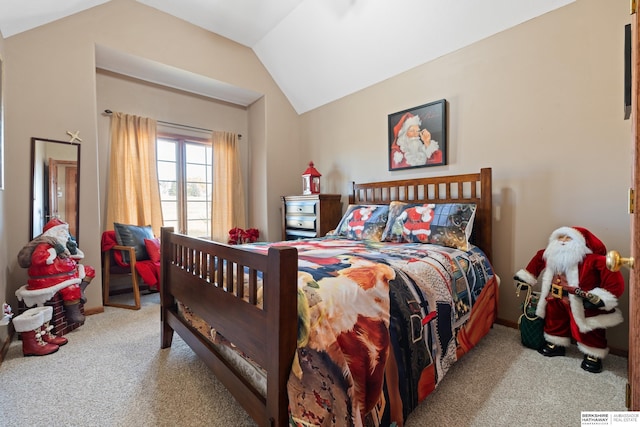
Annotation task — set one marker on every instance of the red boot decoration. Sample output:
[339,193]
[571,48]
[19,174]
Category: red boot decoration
[29,325]
[45,330]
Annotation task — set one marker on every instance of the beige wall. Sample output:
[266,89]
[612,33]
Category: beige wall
[541,104]
[52,88]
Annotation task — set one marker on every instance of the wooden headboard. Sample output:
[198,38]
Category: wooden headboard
[466,188]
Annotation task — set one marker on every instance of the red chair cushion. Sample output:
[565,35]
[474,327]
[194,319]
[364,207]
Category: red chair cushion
[153,248]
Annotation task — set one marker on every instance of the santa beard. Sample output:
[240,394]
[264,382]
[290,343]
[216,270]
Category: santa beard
[415,151]
[560,256]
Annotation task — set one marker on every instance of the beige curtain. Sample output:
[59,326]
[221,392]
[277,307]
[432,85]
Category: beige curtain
[133,196]
[227,207]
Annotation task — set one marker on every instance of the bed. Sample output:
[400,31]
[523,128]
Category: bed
[347,329]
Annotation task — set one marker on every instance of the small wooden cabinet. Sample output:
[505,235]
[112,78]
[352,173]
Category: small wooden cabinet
[312,215]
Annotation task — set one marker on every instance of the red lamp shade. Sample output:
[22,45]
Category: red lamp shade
[311,180]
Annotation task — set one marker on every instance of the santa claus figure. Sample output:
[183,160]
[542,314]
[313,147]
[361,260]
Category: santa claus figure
[52,260]
[417,221]
[413,146]
[357,219]
[579,295]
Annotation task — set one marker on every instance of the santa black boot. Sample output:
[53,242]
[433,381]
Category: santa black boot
[591,364]
[83,285]
[47,335]
[28,324]
[552,350]
[72,311]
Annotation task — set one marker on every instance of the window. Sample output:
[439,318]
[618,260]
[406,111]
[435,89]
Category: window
[185,179]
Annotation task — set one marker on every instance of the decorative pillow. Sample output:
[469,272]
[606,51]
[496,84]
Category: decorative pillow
[446,224]
[153,248]
[363,222]
[133,235]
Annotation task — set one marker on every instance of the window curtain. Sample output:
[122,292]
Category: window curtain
[227,206]
[133,196]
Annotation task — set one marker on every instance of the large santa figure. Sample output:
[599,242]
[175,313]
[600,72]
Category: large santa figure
[52,260]
[579,295]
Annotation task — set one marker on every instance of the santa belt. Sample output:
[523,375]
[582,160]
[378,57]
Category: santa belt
[69,273]
[559,291]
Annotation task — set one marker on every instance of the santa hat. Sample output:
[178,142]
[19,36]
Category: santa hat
[581,234]
[406,121]
[55,222]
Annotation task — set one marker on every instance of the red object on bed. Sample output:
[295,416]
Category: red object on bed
[148,269]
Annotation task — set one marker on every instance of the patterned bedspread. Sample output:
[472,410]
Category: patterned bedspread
[380,324]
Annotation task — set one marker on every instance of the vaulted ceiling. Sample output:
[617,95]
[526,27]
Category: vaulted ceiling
[317,51]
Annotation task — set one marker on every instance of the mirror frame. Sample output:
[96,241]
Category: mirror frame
[34,142]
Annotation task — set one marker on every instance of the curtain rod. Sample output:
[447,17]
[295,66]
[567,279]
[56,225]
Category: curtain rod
[109,112]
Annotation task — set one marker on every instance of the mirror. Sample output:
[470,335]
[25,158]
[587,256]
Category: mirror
[55,187]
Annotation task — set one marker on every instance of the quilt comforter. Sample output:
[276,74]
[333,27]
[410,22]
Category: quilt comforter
[380,324]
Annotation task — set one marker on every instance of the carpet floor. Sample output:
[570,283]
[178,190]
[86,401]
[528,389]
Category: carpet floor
[113,373]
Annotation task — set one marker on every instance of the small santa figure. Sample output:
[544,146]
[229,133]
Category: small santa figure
[357,219]
[579,295]
[417,221]
[52,260]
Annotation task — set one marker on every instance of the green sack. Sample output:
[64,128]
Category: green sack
[531,331]
[531,326]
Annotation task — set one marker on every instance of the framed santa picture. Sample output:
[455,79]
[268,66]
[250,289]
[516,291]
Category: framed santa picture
[418,136]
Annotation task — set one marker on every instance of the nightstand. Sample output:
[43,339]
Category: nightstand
[312,215]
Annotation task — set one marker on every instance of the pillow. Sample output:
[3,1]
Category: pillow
[445,224]
[133,235]
[153,248]
[363,222]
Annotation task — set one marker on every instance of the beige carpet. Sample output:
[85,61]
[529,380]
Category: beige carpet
[113,373]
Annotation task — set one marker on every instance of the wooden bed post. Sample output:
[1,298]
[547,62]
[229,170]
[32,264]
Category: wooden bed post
[166,299]
[281,306]
[484,228]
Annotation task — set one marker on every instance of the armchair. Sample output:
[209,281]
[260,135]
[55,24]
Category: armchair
[144,273]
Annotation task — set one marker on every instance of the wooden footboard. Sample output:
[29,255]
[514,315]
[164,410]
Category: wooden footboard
[201,274]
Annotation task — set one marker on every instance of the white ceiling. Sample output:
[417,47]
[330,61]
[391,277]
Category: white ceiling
[317,51]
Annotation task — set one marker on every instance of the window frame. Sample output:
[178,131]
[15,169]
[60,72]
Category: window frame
[181,141]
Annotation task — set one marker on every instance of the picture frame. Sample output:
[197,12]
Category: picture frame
[418,136]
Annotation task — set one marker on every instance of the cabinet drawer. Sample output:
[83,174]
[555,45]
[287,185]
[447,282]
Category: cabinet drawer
[307,208]
[292,234]
[301,222]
